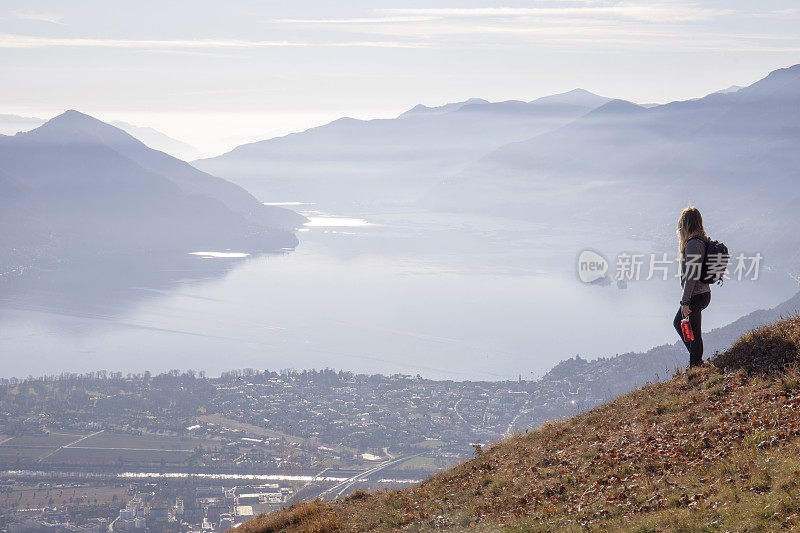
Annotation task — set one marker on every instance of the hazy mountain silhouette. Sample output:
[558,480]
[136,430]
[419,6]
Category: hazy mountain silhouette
[159,141]
[421,109]
[731,89]
[390,160]
[622,373]
[578,96]
[77,188]
[12,124]
[734,153]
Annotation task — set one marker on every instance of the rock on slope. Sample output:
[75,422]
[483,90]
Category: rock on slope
[711,449]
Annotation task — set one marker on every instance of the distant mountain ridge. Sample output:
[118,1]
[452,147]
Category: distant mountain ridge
[733,154]
[578,96]
[607,377]
[420,109]
[367,162]
[159,141]
[12,124]
[731,89]
[77,186]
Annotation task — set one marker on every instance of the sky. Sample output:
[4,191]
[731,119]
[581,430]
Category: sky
[216,74]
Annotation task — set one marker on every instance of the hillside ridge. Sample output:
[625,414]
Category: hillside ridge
[714,448]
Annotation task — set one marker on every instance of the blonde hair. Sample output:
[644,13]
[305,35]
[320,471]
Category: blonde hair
[690,224]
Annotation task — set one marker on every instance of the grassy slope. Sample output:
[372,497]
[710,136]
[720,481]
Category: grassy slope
[716,448]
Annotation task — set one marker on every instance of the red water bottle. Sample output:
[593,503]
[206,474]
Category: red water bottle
[686,328]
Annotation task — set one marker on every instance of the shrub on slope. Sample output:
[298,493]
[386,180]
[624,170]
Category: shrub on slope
[764,349]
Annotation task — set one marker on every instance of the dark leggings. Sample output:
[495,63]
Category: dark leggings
[697,303]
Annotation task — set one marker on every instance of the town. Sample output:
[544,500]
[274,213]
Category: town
[180,452]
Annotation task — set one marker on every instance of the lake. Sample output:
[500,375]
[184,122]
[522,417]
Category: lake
[450,296]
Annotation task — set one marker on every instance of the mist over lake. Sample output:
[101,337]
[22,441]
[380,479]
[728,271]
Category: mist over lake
[408,291]
[442,242]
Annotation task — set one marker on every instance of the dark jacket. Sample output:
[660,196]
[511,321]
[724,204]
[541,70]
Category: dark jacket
[691,262]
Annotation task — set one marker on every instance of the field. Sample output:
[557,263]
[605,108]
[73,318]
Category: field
[429,444]
[115,441]
[419,463]
[116,456]
[38,497]
[34,447]
[100,448]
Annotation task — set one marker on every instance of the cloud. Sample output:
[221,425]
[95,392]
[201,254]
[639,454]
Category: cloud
[567,21]
[659,12]
[348,21]
[41,17]
[380,44]
[598,22]
[196,53]
[27,41]
[596,34]
[655,12]
[654,23]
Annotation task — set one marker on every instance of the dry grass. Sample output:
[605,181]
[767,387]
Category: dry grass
[305,517]
[710,450]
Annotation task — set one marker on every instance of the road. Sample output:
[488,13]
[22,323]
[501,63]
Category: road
[522,410]
[337,490]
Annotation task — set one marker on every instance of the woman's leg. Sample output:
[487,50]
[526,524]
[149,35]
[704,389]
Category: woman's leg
[677,323]
[697,303]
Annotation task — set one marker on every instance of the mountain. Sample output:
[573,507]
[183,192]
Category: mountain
[368,162]
[731,89]
[579,97]
[76,187]
[712,448]
[420,109]
[159,141]
[11,124]
[734,155]
[607,377]
[576,97]
[623,141]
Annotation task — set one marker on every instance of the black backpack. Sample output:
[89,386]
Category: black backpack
[715,262]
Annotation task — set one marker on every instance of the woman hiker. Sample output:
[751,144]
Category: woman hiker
[696,294]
